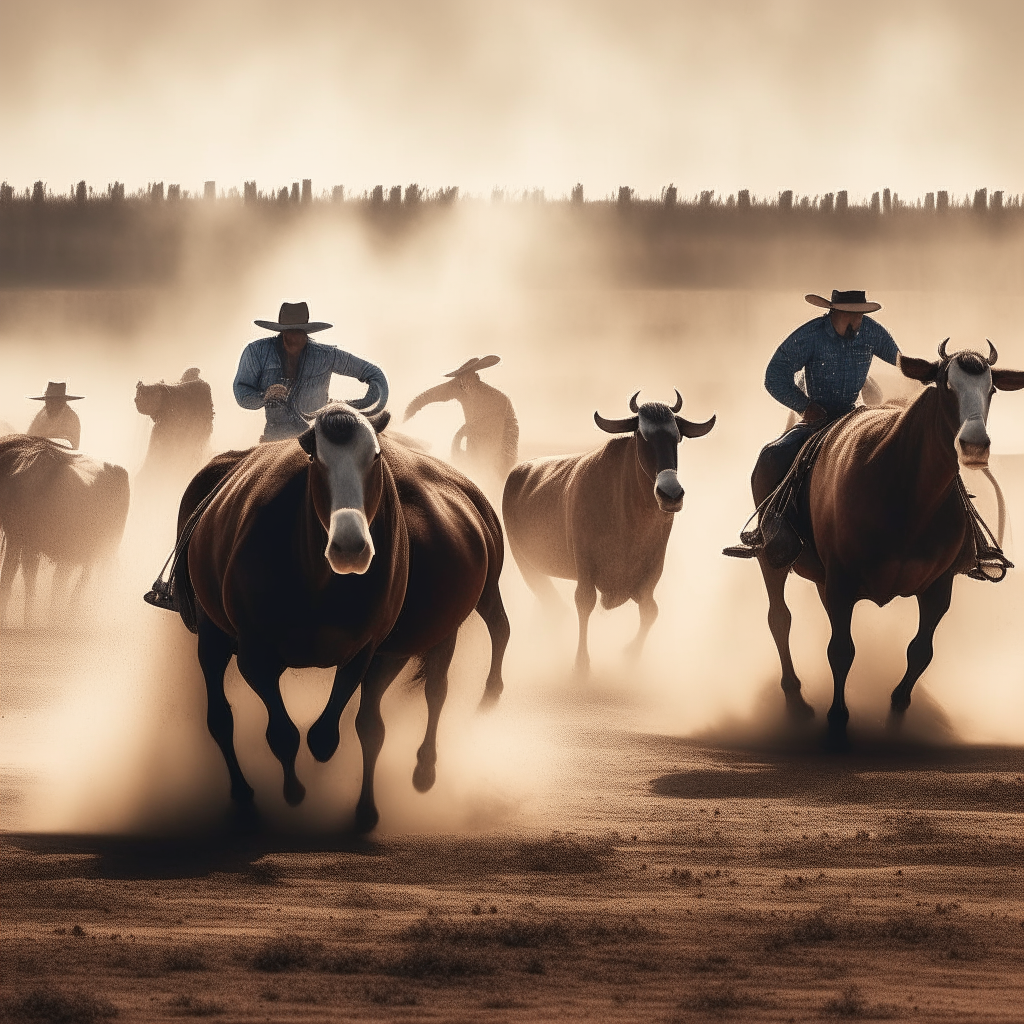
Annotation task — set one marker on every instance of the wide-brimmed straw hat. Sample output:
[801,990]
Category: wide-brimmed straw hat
[293,316]
[474,364]
[845,302]
[56,389]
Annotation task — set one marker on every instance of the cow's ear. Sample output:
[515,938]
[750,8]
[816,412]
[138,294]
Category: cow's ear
[690,429]
[918,369]
[1008,380]
[380,420]
[307,442]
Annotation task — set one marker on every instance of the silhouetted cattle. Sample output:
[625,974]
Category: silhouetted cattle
[602,518]
[339,549]
[57,504]
[182,417]
[886,516]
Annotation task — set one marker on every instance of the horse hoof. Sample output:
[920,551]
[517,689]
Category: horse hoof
[799,710]
[294,792]
[366,818]
[323,741]
[489,699]
[423,777]
[836,739]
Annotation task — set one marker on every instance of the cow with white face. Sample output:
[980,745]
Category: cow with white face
[969,377]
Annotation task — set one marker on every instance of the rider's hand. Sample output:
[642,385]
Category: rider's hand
[814,413]
[275,393]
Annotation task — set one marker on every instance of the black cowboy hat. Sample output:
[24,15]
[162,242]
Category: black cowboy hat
[293,316]
[845,302]
[56,389]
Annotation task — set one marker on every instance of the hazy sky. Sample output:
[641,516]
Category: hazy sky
[767,94]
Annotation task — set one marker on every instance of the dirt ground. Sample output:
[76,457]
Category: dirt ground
[685,881]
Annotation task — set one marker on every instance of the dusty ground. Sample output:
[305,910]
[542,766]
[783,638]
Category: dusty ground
[685,881]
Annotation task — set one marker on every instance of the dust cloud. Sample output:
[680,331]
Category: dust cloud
[104,723]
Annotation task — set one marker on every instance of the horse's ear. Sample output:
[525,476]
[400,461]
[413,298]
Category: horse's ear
[307,442]
[1008,380]
[380,420]
[918,369]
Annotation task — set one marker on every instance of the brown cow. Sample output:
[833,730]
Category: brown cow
[303,558]
[886,517]
[182,415]
[603,518]
[58,504]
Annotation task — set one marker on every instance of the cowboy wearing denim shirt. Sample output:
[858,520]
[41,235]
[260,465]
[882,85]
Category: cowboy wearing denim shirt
[289,375]
[834,351]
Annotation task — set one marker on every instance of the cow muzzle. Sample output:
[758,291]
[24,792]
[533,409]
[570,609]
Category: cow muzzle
[349,546]
[973,443]
[668,491]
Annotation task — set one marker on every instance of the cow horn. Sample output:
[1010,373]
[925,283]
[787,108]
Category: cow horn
[379,420]
[626,426]
[632,403]
[993,355]
[679,401]
[687,428]
[942,350]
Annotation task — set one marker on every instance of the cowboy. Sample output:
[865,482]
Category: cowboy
[834,351]
[56,419]
[491,430]
[289,375]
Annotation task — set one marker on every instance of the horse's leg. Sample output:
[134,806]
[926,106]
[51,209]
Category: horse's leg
[648,615]
[586,598]
[438,659]
[539,582]
[78,591]
[839,602]
[370,729]
[215,650]
[8,570]
[263,674]
[780,619]
[492,611]
[30,577]
[324,735]
[932,605]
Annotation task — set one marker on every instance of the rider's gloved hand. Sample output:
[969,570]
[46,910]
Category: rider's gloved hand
[275,393]
[814,413]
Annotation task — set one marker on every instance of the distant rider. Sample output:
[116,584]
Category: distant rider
[835,352]
[57,420]
[289,375]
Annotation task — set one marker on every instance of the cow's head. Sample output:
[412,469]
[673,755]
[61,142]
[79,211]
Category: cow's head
[658,431]
[966,382]
[149,398]
[346,480]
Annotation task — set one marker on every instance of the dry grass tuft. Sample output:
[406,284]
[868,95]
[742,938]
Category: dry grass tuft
[286,953]
[52,1006]
[719,1000]
[191,1006]
[851,1003]
[567,853]
[184,958]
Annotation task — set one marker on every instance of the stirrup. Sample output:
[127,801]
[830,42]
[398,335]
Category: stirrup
[740,551]
[161,597]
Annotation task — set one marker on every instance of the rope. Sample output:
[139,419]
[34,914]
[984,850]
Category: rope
[991,564]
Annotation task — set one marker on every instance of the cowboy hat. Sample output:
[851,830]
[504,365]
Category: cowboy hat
[293,316]
[474,364]
[56,389]
[845,302]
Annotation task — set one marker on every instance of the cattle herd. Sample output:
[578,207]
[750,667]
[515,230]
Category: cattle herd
[350,548]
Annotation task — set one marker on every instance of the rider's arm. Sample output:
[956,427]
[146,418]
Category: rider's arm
[882,343]
[365,372]
[248,393]
[789,359]
[441,393]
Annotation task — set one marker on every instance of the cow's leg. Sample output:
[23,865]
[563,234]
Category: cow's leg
[780,619]
[263,674]
[8,570]
[539,582]
[370,729]
[648,615]
[436,664]
[932,605]
[78,591]
[30,577]
[839,602]
[324,735]
[492,611]
[215,650]
[586,598]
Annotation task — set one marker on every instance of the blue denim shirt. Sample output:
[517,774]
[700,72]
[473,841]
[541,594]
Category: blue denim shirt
[834,368]
[261,366]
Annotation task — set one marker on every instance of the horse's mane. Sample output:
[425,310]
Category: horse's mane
[20,453]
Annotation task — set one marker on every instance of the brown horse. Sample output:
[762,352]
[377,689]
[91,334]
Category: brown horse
[304,557]
[886,516]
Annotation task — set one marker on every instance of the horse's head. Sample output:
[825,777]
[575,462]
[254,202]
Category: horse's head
[966,382]
[149,398]
[658,430]
[346,481]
